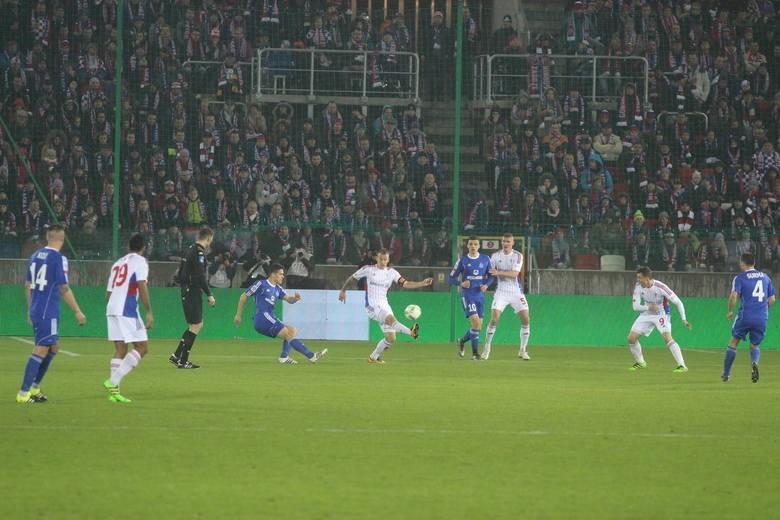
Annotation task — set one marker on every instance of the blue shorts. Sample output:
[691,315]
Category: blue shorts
[268,325]
[473,306]
[742,329]
[45,331]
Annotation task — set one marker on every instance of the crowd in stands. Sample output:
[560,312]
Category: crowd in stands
[664,191]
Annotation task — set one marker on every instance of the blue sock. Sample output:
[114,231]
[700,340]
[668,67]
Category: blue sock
[755,355]
[44,367]
[286,347]
[300,347]
[30,371]
[731,354]
[466,337]
[474,335]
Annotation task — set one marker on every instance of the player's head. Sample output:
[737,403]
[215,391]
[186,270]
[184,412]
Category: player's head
[137,243]
[276,273]
[644,276]
[205,236]
[507,241]
[473,245]
[55,236]
[382,258]
[747,261]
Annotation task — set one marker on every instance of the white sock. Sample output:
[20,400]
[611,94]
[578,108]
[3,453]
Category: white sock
[130,361]
[636,351]
[489,333]
[115,362]
[380,347]
[403,329]
[674,348]
[525,333]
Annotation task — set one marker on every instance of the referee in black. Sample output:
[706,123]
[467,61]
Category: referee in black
[192,278]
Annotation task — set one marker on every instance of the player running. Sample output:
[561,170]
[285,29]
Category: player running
[652,299]
[756,294]
[506,265]
[471,275]
[126,282]
[379,277]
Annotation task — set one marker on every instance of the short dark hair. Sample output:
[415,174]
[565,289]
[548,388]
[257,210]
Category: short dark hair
[473,237]
[275,267]
[205,232]
[748,259]
[645,271]
[137,243]
[54,228]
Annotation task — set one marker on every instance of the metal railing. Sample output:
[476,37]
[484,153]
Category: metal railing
[314,72]
[502,76]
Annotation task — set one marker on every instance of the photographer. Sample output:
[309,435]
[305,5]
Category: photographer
[222,270]
[256,269]
[299,267]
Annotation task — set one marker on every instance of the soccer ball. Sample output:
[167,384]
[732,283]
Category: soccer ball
[412,311]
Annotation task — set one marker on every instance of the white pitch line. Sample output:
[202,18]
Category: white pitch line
[30,342]
[400,431]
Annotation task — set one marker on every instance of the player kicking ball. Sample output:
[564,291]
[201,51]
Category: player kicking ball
[652,299]
[266,293]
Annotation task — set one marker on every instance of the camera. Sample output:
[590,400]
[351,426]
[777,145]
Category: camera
[300,254]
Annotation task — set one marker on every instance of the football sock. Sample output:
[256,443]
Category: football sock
[731,354]
[130,361]
[400,327]
[380,347]
[188,339]
[115,362]
[474,337]
[491,331]
[525,333]
[636,351]
[300,347]
[755,355]
[30,371]
[466,337]
[286,348]
[674,348]
[44,367]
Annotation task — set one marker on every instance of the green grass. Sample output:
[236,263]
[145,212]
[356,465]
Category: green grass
[570,434]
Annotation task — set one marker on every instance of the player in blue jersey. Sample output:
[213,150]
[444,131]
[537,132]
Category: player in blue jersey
[756,293]
[471,275]
[266,293]
[47,282]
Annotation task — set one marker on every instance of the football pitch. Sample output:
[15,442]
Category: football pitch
[570,434]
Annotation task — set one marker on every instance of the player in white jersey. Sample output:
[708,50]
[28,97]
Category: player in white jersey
[126,282]
[379,277]
[652,299]
[506,265]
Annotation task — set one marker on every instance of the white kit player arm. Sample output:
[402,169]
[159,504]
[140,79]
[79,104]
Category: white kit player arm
[357,275]
[678,303]
[637,300]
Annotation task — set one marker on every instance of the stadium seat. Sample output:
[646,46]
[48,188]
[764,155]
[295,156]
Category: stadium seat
[590,262]
[613,263]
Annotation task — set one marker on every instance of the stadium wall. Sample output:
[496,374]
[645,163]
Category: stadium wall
[565,320]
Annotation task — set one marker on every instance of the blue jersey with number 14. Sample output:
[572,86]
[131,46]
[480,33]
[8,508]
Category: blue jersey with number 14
[754,288]
[47,269]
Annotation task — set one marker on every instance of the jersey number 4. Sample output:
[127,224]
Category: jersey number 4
[758,291]
[120,275]
[39,281]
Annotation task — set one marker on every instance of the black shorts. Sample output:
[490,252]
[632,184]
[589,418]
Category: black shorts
[192,303]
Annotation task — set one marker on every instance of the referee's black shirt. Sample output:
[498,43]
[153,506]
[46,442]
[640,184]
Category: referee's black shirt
[192,274]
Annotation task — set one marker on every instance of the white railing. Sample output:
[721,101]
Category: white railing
[315,72]
[501,76]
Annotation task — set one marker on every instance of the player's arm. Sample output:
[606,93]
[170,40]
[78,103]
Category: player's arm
[680,308]
[732,302]
[70,299]
[454,277]
[28,296]
[416,285]
[143,291]
[240,309]
[343,291]
[292,298]
[199,272]
[637,301]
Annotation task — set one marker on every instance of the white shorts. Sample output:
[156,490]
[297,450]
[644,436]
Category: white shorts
[129,330]
[645,323]
[379,313]
[518,302]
